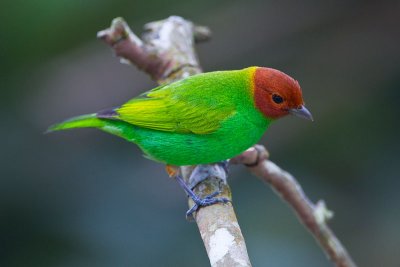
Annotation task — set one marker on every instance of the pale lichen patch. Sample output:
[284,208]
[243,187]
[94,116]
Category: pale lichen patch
[321,213]
[220,243]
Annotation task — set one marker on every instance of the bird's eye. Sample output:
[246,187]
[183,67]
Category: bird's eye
[277,99]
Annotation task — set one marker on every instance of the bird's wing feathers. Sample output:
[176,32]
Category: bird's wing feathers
[175,109]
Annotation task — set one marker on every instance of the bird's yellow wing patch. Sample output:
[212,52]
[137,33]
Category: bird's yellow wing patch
[164,110]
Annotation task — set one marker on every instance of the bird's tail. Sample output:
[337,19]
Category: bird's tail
[83,121]
[97,120]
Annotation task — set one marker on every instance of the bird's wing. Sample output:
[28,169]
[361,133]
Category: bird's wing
[174,109]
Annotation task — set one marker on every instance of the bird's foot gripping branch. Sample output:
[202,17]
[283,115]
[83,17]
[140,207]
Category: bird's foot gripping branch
[199,202]
[200,174]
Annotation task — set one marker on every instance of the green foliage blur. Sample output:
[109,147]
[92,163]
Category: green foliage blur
[85,198]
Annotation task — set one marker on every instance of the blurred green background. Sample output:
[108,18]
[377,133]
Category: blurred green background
[85,198]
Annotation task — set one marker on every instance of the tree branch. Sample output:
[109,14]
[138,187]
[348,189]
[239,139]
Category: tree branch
[313,217]
[166,52]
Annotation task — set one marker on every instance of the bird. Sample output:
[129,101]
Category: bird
[205,118]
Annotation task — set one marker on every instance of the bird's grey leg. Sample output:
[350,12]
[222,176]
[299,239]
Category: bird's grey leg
[202,172]
[199,202]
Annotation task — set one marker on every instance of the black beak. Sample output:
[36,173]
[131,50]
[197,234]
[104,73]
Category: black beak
[301,112]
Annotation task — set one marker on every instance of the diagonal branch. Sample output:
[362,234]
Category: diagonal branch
[313,217]
[166,52]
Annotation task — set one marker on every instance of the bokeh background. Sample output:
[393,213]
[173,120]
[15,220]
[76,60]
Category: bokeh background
[85,198]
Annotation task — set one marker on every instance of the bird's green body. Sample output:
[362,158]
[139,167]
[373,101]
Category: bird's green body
[201,119]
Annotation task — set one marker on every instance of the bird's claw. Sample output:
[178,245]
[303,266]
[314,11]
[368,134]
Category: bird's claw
[206,201]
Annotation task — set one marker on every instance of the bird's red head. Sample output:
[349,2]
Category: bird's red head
[277,94]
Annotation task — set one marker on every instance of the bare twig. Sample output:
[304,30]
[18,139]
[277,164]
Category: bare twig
[313,217]
[166,52]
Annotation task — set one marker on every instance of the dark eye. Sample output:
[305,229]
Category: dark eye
[277,99]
